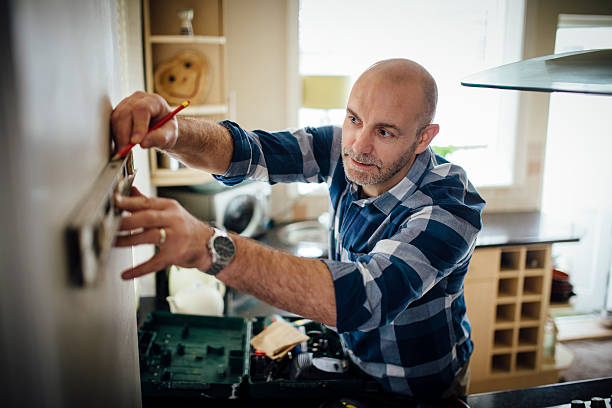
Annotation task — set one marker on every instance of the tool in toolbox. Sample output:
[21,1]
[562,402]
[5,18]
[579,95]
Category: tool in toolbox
[188,356]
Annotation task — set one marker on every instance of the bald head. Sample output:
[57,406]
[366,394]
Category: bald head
[400,70]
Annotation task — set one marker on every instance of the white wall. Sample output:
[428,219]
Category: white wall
[263,72]
[259,35]
[132,80]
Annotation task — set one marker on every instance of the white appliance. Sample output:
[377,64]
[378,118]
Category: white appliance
[243,209]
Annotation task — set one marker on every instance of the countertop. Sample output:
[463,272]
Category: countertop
[499,229]
[521,228]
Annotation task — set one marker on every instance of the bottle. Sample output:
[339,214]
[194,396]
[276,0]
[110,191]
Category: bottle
[186,15]
[550,340]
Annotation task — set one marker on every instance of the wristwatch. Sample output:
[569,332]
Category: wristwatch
[222,250]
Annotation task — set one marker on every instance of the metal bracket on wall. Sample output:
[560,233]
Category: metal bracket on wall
[91,233]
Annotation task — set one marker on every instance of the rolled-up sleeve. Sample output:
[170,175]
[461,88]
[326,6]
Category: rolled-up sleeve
[305,155]
[376,287]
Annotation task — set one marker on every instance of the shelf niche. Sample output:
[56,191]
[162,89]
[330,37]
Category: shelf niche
[530,311]
[507,287]
[503,338]
[528,336]
[533,285]
[505,313]
[501,363]
[526,360]
[207,17]
[510,261]
[535,259]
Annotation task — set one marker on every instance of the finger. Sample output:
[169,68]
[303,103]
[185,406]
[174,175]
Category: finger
[140,202]
[162,137]
[135,192]
[141,118]
[148,236]
[156,263]
[121,123]
[136,107]
[144,219]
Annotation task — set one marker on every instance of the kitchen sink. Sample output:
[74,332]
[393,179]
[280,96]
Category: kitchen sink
[305,238]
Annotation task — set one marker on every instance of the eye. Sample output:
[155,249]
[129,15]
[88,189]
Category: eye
[188,65]
[384,133]
[353,119]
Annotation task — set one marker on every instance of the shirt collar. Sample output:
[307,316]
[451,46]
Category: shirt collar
[389,199]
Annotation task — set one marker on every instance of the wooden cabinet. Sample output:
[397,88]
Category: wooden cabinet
[507,292]
[163,42]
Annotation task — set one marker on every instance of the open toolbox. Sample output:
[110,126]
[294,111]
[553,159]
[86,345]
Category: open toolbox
[188,356]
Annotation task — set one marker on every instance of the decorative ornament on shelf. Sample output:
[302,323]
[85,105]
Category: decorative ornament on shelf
[185,76]
[186,15]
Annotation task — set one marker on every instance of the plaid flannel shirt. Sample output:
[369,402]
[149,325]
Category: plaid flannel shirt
[398,260]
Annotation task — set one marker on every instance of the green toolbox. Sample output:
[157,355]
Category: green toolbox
[188,356]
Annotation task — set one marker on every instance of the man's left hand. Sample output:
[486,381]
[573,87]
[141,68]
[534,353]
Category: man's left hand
[181,238]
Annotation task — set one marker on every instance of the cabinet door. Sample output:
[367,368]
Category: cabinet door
[480,292]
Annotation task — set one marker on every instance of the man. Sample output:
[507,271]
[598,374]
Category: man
[404,224]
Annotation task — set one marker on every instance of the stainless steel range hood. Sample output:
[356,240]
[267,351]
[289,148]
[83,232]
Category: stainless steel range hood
[587,72]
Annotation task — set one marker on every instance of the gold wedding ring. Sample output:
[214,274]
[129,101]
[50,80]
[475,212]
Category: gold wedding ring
[162,236]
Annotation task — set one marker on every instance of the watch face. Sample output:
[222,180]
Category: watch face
[224,247]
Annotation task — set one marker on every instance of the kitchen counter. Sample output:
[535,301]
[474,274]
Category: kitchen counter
[499,229]
[523,228]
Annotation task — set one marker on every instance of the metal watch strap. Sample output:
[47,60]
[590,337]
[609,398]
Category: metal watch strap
[218,264]
[214,269]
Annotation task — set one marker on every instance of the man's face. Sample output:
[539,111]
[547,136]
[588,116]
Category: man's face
[379,134]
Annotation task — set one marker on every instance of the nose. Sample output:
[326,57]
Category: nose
[363,141]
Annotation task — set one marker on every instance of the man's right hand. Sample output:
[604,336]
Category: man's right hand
[132,118]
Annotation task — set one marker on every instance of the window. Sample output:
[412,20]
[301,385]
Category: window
[452,40]
[577,185]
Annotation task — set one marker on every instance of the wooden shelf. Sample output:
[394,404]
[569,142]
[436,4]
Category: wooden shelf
[180,177]
[504,324]
[505,300]
[187,39]
[529,323]
[162,43]
[507,305]
[530,297]
[534,272]
[526,347]
[195,110]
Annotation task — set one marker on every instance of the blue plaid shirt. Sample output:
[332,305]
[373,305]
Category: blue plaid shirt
[397,260]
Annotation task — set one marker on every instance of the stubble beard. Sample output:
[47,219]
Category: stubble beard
[378,173]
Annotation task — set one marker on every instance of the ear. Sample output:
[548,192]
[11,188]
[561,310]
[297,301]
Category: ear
[426,137]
